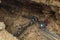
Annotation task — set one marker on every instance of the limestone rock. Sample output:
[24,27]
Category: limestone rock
[48,2]
[4,35]
[2,25]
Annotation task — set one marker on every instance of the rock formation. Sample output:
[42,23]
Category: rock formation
[4,35]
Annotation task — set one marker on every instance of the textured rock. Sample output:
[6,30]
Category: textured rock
[4,35]
[48,2]
[2,26]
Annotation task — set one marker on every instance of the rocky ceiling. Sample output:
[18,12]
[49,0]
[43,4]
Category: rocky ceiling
[52,3]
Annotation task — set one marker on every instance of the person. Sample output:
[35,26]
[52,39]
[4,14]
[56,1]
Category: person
[42,25]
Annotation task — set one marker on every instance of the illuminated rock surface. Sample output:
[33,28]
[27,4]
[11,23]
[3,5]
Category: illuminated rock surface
[4,35]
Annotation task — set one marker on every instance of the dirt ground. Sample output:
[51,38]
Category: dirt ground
[14,21]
